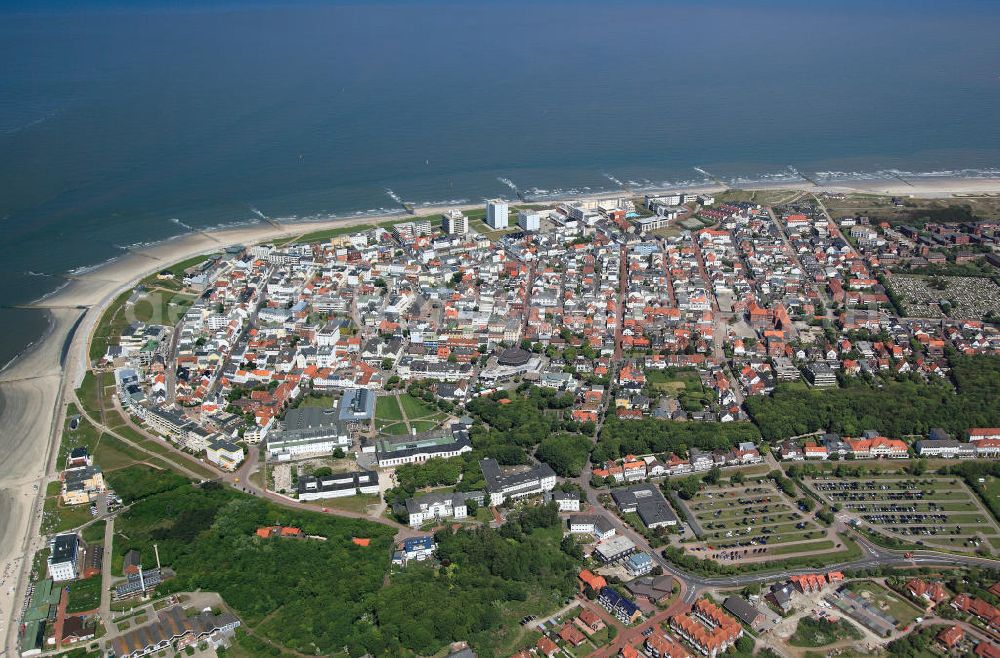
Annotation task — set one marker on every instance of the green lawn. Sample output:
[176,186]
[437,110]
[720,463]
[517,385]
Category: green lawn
[423,425]
[358,503]
[111,453]
[109,327]
[394,429]
[91,393]
[84,595]
[94,532]
[386,408]
[162,307]
[808,547]
[85,434]
[59,519]
[416,408]
[318,401]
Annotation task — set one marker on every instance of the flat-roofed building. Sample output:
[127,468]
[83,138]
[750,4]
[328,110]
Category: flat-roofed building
[409,449]
[338,485]
[64,556]
[533,481]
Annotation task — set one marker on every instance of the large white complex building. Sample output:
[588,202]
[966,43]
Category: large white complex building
[338,485]
[535,480]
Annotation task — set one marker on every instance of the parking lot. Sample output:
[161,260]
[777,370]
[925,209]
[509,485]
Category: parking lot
[751,521]
[936,511]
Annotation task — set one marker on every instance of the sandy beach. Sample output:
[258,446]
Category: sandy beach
[32,389]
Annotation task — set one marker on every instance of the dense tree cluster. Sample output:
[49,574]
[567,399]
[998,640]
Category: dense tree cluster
[485,578]
[513,423]
[311,592]
[640,437]
[897,408]
[913,645]
[567,454]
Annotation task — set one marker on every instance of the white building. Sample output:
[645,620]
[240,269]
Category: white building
[311,441]
[564,500]
[64,554]
[496,214]
[338,485]
[440,506]
[455,223]
[417,448]
[224,454]
[529,220]
[533,481]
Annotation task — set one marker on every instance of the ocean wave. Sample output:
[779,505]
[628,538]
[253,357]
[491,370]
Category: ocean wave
[446,202]
[84,269]
[31,124]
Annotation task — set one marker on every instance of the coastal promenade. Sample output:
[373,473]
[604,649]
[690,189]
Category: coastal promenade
[35,389]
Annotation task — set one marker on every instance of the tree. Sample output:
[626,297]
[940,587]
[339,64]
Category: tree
[713,475]
[566,454]
[338,453]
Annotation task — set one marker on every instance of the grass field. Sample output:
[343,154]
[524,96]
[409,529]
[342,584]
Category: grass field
[84,595]
[395,429]
[685,385]
[357,503]
[415,408]
[95,531]
[930,510]
[57,518]
[387,409]
[162,307]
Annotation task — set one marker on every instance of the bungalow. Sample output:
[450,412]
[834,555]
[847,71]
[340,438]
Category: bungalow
[951,636]
[570,633]
[546,647]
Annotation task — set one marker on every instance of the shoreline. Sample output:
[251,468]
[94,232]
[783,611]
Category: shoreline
[35,383]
